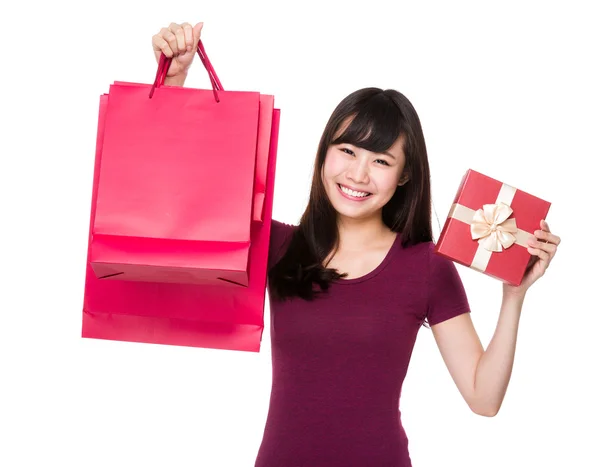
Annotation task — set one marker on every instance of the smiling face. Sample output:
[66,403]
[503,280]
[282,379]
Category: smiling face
[360,182]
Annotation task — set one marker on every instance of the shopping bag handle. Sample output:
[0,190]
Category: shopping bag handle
[165,62]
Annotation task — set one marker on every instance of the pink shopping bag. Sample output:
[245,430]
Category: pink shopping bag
[199,315]
[182,177]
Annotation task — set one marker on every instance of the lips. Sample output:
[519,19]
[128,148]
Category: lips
[354,195]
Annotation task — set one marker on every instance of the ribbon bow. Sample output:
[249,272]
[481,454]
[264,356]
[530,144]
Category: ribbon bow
[492,227]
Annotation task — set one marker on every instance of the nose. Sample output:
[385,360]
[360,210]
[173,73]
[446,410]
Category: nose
[358,171]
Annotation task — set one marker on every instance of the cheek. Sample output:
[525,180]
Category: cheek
[333,166]
[387,181]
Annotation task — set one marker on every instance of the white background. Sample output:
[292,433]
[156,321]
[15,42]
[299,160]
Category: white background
[510,90]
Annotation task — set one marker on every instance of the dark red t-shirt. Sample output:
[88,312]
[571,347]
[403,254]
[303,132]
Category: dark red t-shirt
[339,361]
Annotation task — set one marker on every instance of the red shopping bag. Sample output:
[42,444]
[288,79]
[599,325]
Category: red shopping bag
[182,177]
[197,315]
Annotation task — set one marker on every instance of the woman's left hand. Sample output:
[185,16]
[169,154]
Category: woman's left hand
[542,247]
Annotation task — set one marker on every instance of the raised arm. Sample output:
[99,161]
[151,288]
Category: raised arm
[482,377]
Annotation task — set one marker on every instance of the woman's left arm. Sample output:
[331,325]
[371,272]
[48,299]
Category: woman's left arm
[482,377]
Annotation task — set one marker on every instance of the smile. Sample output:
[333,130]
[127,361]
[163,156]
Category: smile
[352,194]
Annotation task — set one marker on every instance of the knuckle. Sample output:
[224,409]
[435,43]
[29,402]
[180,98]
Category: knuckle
[166,50]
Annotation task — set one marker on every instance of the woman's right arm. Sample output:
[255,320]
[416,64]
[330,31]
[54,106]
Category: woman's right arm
[179,42]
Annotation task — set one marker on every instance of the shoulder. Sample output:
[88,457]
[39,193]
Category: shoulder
[423,257]
[446,293]
[419,254]
[281,234]
[281,229]
[441,271]
[436,260]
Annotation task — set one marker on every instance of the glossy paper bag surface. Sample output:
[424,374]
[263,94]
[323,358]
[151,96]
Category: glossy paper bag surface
[175,194]
[198,315]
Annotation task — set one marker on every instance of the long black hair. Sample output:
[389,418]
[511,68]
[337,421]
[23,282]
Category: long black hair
[377,118]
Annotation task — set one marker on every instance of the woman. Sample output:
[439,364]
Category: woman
[352,284]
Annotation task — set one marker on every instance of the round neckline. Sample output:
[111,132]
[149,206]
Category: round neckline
[387,258]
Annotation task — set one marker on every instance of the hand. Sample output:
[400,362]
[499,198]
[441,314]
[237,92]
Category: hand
[178,41]
[542,247]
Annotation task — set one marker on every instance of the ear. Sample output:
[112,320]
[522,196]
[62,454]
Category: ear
[403,179]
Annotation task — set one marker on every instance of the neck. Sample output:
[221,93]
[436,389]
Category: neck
[357,234]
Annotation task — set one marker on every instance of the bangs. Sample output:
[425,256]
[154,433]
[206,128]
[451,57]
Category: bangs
[374,127]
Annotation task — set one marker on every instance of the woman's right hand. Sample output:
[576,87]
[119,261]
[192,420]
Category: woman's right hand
[179,42]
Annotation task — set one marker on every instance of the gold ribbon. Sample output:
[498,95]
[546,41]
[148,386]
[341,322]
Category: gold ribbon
[491,227]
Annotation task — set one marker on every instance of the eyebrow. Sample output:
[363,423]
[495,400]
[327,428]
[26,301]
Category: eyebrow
[386,153]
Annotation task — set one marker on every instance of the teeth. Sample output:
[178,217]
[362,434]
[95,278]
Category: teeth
[356,194]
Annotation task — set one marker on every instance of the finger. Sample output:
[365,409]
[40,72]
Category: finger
[197,31]
[188,32]
[540,245]
[547,237]
[159,44]
[553,238]
[540,253]
[544,225]
[179,37]
[532,260]
[168,36]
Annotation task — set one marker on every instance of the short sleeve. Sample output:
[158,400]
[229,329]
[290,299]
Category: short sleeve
[280,235]
[446,294]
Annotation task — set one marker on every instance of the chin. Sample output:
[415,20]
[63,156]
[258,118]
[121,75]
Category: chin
[357,216]
[355,210]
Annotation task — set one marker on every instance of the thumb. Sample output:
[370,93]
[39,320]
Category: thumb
[196,32]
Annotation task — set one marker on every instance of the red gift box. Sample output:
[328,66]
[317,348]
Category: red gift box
[488,226]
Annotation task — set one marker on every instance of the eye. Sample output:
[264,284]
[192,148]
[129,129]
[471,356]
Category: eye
[382,162]
[347,151]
